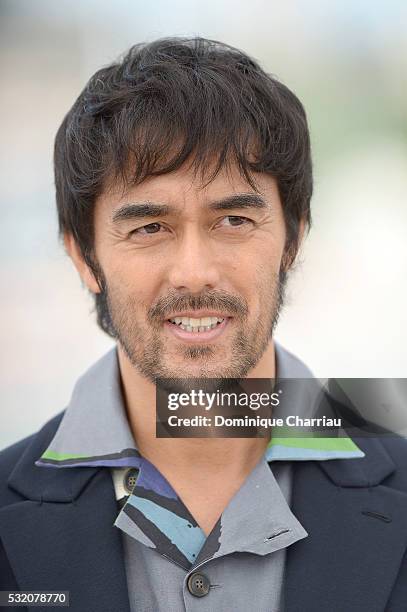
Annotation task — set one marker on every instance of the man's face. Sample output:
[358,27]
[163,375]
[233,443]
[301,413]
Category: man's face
[170,250]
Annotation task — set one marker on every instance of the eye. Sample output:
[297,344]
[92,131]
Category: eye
[151,228]
[237,221]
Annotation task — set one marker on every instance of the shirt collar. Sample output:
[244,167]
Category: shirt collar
[94,430]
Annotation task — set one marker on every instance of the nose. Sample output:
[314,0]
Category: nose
[193,267]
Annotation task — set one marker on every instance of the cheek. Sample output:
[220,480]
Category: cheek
[262,282]
[127,275]
[256,268]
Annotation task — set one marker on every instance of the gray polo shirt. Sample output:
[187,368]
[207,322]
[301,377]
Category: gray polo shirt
[170,564]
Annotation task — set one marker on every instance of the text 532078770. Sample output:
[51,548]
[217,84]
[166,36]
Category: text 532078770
[34,598]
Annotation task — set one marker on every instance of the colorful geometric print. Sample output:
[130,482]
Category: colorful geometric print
[173,531]
[155,516]
[129,457]
[312,449]
[278,449]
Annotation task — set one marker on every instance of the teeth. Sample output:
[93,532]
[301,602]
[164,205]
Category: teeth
[194,329]
[205,322]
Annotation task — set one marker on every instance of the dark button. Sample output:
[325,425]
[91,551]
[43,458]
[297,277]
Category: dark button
[130,479]
[198,585]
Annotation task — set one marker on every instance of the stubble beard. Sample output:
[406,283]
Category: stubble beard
[145,348]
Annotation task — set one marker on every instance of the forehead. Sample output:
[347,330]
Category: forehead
[184,189]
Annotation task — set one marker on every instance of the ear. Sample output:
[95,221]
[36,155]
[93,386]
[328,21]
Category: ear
[84,270]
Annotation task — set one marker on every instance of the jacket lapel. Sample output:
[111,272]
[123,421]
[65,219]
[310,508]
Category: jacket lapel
[61,536]
[357,534]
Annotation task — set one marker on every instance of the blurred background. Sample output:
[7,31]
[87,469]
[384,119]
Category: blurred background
[347,61]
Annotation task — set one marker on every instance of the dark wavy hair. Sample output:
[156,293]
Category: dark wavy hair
[169,101]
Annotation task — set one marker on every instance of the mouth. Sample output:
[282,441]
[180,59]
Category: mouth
[197,329]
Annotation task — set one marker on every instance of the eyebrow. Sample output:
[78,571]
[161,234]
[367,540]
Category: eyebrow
[240,200]
[142,210]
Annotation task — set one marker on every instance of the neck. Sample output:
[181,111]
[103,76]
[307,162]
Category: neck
[228,455]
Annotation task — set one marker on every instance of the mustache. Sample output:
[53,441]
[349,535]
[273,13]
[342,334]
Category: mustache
[211,300]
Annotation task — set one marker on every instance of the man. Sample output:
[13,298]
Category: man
[183,186]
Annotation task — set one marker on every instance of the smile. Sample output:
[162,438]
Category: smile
[196,330]
[197,325]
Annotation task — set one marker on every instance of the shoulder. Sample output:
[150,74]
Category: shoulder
[11,456]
